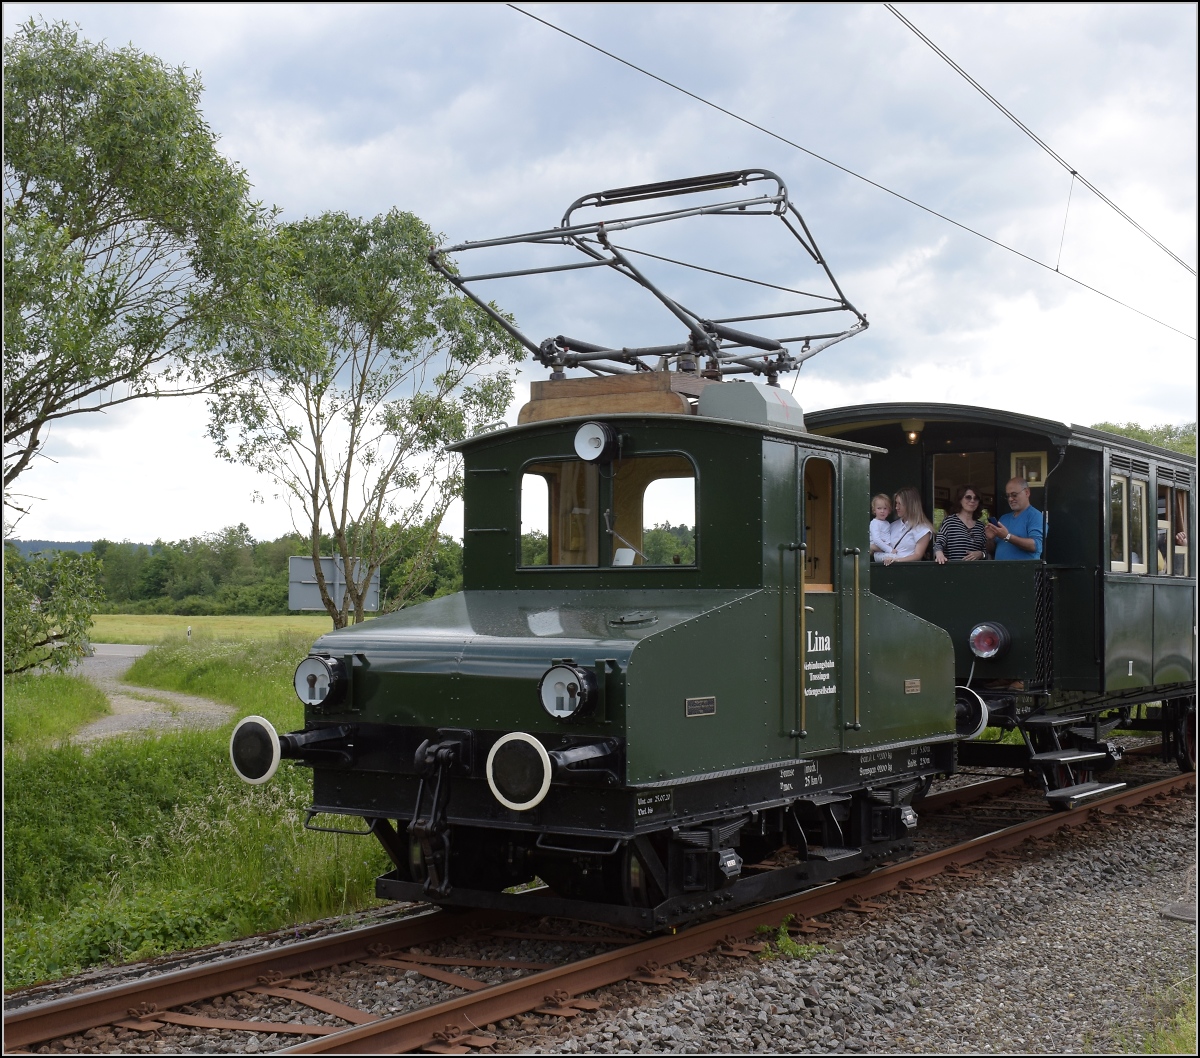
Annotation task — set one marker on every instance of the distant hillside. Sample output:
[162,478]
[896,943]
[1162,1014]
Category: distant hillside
[29,547]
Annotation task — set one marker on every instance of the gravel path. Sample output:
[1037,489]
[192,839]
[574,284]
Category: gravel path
[137,709]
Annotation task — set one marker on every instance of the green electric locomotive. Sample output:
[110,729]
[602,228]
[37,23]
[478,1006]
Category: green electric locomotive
[660,720]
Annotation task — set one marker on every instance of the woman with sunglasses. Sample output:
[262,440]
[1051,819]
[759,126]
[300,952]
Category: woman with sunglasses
[961,536]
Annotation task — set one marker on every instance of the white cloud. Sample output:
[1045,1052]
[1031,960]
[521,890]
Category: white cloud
[483,122]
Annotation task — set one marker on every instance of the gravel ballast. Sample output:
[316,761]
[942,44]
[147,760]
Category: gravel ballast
[1075,944]
[1065,950]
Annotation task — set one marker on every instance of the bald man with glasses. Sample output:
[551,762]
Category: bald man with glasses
[1019,533]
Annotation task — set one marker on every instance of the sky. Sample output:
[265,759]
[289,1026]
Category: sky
[484,122]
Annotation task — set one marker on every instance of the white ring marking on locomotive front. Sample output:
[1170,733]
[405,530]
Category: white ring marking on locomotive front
[533,802]
[272,737]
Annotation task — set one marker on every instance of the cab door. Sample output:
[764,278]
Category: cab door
[817,643]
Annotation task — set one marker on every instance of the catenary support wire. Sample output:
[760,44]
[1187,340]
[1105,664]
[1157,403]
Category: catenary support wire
[849,172]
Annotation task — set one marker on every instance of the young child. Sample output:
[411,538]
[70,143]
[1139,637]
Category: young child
[881,528]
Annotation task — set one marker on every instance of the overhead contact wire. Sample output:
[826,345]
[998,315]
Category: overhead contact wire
[1036,138]
[848,172]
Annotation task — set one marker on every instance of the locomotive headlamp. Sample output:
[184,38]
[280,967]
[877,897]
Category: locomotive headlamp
[567,690]
[518,771]
[254,750]
[595,442]
[320,681]
[989,639]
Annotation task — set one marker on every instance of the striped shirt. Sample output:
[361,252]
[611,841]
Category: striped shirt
[955,540]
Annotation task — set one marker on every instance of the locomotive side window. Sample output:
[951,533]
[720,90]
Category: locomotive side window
[560,514]
[818,525]
[1118,531]
[650,493]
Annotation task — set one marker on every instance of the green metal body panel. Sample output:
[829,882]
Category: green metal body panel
[899,648]
[474,659]
[734,655]
[1128,633]
[1174,631]
[1077,646]
[957,596]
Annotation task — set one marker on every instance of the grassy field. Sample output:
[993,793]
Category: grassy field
[144,845]
[154,628]
[39,710]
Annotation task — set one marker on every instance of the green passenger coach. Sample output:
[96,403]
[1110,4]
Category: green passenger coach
[1101,631]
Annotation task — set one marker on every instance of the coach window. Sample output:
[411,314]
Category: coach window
[1118,531]
[1138,518]
[818,525]
[1181,523]
[1165,537]
[560,514]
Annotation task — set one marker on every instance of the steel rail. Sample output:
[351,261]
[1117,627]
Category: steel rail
[64,1017]
[39,1022]
[409,1032]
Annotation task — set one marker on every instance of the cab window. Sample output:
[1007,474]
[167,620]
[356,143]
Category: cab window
[560,513]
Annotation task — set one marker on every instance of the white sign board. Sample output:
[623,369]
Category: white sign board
[304,594]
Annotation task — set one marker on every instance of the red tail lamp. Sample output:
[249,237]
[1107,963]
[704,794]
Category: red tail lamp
[989,639]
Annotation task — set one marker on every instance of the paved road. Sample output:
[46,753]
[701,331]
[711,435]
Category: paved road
[140,709]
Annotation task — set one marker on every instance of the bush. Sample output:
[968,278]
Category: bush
[141,846]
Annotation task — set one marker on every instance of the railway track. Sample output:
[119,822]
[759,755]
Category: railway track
[449,1025]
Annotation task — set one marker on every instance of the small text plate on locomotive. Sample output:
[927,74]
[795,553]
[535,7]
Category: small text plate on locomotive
[654,803]
[912,686]
[699,706]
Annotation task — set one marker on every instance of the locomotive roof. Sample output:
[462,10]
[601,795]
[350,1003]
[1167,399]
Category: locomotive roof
[481,439]
[1060,433]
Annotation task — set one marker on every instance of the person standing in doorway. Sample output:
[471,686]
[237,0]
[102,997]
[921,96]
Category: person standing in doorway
[1019,533]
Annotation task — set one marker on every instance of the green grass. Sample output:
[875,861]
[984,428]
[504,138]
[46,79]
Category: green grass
[1177,1035]
[254,676]
[140,846]
[46,708]
[154,628]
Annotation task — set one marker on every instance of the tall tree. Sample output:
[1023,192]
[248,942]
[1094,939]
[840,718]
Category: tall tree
[352,423]
[128,238]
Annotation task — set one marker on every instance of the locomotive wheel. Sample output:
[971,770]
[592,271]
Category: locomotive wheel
[617,879]
[1185,739]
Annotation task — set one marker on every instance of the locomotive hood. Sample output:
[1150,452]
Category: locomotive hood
[532,623]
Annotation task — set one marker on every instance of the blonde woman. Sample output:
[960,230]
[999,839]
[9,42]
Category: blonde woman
[911,531]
